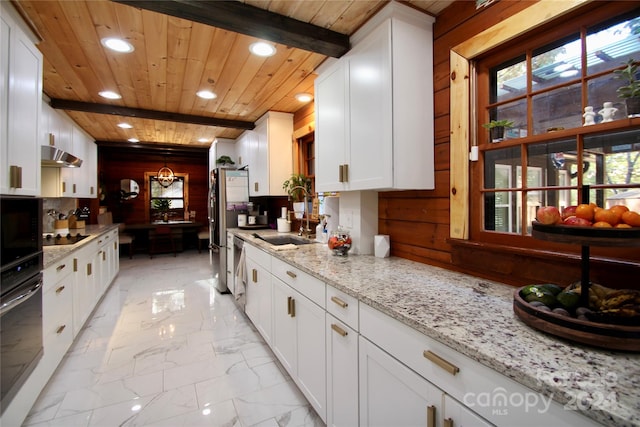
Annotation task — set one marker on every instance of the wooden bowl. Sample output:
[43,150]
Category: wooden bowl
[603,335]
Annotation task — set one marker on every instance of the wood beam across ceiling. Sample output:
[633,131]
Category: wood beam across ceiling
[253,21]
[88,107]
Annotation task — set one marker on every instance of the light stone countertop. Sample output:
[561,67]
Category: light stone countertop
[53,254]
[475,317]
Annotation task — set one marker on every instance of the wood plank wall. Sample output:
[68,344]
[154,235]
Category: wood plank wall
[115,163]
[418,221]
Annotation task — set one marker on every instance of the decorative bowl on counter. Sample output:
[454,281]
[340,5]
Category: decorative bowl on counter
[340,242]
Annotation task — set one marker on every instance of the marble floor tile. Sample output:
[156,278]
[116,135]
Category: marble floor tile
[164,348]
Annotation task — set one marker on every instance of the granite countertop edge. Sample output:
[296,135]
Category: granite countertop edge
[512,348]
[53,254]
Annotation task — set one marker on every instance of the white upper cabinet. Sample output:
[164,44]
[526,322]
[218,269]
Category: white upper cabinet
[60,131]
[20,99]
[270,154]
[374,107]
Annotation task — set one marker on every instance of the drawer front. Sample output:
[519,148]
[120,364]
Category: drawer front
[343,306]
[57,317]
[56,272]
[463,378]
[309,286]
[259,256]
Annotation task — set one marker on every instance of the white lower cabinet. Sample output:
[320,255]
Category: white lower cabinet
[360,367]
[299,342]
[83,284]
[342,374]
[72,286]
[393,395]
[258,292]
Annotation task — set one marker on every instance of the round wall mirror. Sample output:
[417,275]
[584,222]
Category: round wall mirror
[129,189]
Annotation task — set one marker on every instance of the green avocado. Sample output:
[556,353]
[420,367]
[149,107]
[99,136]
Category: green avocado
[549,287]
[568,299]
[554,289]
[542,295]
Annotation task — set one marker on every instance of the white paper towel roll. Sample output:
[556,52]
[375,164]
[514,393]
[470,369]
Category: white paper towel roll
[284,212]
[381,245]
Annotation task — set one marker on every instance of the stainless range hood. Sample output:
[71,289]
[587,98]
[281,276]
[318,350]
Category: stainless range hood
[55,157]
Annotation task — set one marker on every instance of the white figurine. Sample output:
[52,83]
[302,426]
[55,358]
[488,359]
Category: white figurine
[607,112]
[589,116]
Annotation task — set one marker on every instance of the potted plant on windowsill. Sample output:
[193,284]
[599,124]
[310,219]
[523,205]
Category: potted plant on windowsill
[496,129]
[631,91]
[162,206]
[294,187]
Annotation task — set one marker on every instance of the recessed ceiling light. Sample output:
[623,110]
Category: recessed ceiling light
[117,45]
[125,126]
[133,140]
[203,140]
[304,97]
[206,94]
[109,94]
[262,49]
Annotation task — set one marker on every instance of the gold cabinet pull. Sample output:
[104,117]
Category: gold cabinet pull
[293,307]
[91,190]
[345,171]
[289,299]
[431,416]
[52,139]
[74,189]
[338,301]
[15,176]
[60,329]
[89,269]
[291,274]
[340,173]
[60,289]
[255,186]
[75,265]
[104,256]
[64,187]
[254,275]
[60,267]
[447,366]
[448,423]
[339,330]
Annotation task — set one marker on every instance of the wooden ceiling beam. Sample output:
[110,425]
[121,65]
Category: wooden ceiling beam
[114,110]
[253,21]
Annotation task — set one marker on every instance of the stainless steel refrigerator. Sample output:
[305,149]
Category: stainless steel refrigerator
[228,197]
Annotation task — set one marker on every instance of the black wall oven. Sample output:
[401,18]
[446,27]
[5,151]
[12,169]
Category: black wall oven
[20,292]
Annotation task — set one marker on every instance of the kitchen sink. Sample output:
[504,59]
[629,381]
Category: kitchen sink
[286,240]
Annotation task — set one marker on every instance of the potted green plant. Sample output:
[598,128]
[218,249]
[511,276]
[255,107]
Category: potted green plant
[630,92]
[294,188]
[162,206]
[224,161]
[496,129]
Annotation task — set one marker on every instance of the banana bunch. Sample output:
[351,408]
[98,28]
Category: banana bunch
[625,302]
[615,302]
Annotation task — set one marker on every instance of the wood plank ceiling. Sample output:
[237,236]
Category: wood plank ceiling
[175,57]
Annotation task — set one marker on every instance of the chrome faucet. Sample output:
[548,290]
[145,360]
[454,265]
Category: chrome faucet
[306,204]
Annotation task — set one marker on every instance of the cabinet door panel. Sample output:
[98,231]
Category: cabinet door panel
[284,326]
[332,118]
[370,96]
[311,363]
[390,393]
[342,374]
[460,415]
[24,100]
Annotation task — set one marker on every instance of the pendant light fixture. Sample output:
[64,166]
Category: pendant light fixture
[165,175]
